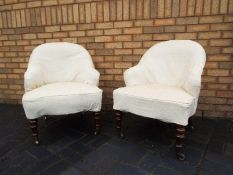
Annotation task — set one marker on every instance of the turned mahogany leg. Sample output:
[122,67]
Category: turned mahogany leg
[34,127]
[190,124]
[118,117]
[180,135]
[97,123]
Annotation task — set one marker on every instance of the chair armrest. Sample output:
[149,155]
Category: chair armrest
[192,89]
[32,79]
[193,83]
[89,76]
[135,76]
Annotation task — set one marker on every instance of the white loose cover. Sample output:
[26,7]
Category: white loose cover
[60,79]
[165,84]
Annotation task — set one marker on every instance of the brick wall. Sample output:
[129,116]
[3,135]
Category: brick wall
[117,33]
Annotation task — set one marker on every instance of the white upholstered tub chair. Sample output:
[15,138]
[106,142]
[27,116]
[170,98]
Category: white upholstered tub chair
[165,85]
[60,79]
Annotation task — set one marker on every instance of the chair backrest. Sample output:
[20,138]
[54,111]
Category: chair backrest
[59,61]
[171,62]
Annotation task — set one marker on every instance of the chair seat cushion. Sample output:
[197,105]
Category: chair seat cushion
[166,103]
[61,98]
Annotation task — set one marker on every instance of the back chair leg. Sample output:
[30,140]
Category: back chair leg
[180,135]
[97,123]
[34,127]
[118,117]
[190,124]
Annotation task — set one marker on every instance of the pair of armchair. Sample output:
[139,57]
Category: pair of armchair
[165,85]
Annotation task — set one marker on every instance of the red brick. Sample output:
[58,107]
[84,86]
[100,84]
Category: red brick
[133,30]
[113,71]
[144,23]
[113,45]
[163,36]
[183,7]
[219,57]
[122,51]
[161,9]
[85,26]
[106,11]
[228,80]
[94,32]
[104,25]
[218,72]
[168,7]
[123,24]
[220,42]
[175,8]
[52,29]
[104,52]
[199,7]
[142,37]
[123,37]
[175,29]
[209,35]
[104,65]
[226,94]
[227,26]
[197,28]
[29,36]
[103,39]
[49,2]
[211,65]
[76,33]
[212,100]
[227,50]
[223,6]
[132,44]
[226,65]
[207,93]
[44,35]
[211,19]
[186,36]
[112,31]
[123,65]
[164,22]
[68,27]
[214,114]
[153,29]
[187,20]
[34,4]
[207,7]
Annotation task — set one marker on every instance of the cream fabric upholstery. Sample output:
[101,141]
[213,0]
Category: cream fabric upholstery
[165,84]
[60,79]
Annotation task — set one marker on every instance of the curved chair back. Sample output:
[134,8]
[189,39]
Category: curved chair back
[172,62]
[58,62]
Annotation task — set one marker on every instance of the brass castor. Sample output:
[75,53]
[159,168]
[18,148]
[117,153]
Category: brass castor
[180,156]
[122,135]
[37,142]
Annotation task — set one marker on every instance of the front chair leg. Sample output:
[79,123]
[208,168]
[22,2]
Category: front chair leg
[34,127]
[118,117]
[97,123]
[180,135]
